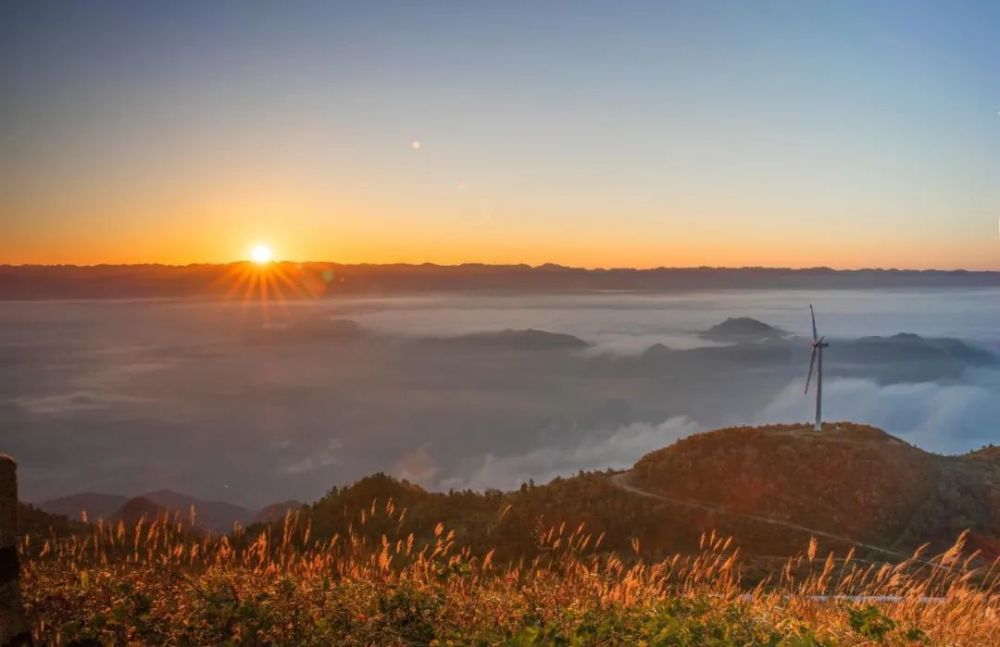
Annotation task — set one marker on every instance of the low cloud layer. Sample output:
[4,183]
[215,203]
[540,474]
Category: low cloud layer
[944,418]
[598,450]
[216,400]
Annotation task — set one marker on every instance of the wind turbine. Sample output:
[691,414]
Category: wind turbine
[818,345]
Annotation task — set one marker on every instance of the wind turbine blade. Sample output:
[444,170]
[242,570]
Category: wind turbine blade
[813,314]
[812,361]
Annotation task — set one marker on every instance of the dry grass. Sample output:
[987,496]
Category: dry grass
[156,583]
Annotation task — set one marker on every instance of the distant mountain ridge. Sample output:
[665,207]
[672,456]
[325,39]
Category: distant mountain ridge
[527,339]
[327,279]
[898,358]
[216,516]
[96,505]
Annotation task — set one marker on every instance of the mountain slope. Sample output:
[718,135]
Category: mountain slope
[770,487]
[217,516]
[96,505]
[141,508]
[854,480]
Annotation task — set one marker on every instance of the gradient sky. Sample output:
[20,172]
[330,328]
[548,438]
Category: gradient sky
[847,134]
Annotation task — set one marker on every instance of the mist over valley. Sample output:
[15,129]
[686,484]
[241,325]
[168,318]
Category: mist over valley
[254,404]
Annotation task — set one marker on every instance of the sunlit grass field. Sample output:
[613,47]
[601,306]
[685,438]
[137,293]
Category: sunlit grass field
[158,583]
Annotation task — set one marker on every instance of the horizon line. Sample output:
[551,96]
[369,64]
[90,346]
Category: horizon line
[822,268]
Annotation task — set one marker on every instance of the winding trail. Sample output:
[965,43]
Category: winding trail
[622,481]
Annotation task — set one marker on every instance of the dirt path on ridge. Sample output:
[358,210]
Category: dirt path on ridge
[622,481]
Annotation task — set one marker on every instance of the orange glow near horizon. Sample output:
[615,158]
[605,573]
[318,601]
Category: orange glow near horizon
[393,223]
[359,235]
[592,254]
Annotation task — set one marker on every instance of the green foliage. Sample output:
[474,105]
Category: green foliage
[410,613]
[870,622]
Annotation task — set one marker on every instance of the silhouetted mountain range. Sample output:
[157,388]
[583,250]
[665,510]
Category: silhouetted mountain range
[319,279]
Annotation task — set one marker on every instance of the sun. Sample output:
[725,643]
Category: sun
[261,254]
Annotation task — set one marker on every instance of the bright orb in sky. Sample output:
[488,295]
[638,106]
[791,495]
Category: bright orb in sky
[415,144]
[261,254]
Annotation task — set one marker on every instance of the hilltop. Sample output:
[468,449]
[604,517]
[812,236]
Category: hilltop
[743,329]
[852,480]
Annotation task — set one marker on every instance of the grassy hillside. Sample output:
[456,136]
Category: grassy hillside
[506,522]
[596,559]
[158,583]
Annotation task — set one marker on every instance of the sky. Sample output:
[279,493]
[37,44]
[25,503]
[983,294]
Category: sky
[844,134]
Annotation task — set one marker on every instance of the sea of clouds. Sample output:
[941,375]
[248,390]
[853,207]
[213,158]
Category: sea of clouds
[225,401]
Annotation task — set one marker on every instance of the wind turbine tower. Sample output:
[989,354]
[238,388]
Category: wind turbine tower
[819,344]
